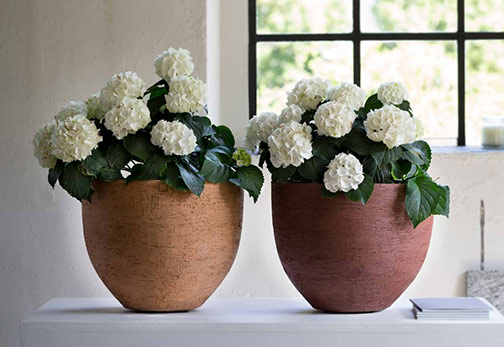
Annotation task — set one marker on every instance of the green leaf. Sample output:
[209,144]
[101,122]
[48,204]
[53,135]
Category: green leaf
[405,106]
[443,204]
[196,123]
[322,144]
[383,175]
[282,174]
[154,105]
[139,145]
[221,149]
[209,130]
[117,156]
[363,192]
[226,134]
[373,103]
[75,182]
[158,91]
[251,179]
[55,173]
[358,142]
[402,169]
[172,177]
[418,152]
[307,116]
[213,170]
[194,181]
[108,174]
[94,163]
[387,156]
[422,197]
[313,169]
[150,170]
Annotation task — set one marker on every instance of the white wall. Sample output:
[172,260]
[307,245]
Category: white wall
[51,52]
[54,51]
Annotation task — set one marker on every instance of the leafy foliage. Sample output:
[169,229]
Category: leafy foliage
[211,160]
[405,164]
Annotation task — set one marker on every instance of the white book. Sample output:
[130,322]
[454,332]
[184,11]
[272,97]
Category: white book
[450,309]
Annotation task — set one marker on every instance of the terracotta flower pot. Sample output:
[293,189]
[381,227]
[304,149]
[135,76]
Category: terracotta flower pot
[343,256]
[159,249]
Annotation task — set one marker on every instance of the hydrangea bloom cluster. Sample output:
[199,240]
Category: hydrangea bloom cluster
[349,94]
[259,128]
[391,125]
[129,116]
[120,86]
[173,137]
[42,146]
[186,94]
[344,173]
[290,144]
[292,112]
[334,119]
[74,138]
[71,109]
[173,62]
[308,93]
[392,93]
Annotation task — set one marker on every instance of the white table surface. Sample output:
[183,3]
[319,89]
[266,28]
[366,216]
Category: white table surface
[102,322]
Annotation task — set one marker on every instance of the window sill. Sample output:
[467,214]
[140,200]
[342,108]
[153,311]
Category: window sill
[466,150]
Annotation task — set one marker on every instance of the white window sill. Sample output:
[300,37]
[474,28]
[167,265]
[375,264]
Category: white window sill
[466,150]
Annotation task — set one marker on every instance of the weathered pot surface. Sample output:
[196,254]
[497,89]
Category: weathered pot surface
[159,249]
[343,256]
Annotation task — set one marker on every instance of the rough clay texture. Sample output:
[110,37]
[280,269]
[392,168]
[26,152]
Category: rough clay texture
[343,256]
[159,249]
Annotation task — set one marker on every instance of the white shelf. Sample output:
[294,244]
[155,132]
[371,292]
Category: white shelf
[102,322]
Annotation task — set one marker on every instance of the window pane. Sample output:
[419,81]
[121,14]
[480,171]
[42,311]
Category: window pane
[484,15]
[304,16]
[281,65]
[484,85]
[428,70]
[408,16]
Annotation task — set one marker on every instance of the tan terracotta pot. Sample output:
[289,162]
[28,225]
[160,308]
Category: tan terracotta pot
[343,256]
[159,249]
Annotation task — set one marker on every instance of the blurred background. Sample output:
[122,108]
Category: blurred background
[427,68]
[54,51]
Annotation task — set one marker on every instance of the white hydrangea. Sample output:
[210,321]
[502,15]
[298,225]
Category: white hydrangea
[334,119]
[71,109]
[290,144]
[259,128]
[173,62]
[392,93]
[95,108]
[344,173]
[120,86]
[308,93]
[391,125]
[348,93]
[129,116]
[42,146]
[292,112]
[74,138]
[186,94]
[173,137]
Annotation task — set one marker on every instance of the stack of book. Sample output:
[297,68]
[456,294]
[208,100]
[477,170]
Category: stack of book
[451,309]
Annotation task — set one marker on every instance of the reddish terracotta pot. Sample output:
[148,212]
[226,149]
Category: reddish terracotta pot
[343,256]
[159,249]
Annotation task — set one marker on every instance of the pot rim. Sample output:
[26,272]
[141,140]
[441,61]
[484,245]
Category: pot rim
[321,184]
[123,180]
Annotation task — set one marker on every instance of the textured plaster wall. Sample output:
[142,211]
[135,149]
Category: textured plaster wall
[54,51]
[51,52]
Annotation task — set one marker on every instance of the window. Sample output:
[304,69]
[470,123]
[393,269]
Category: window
[448,53]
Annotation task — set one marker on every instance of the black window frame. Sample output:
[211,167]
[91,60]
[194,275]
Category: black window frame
[356,36]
